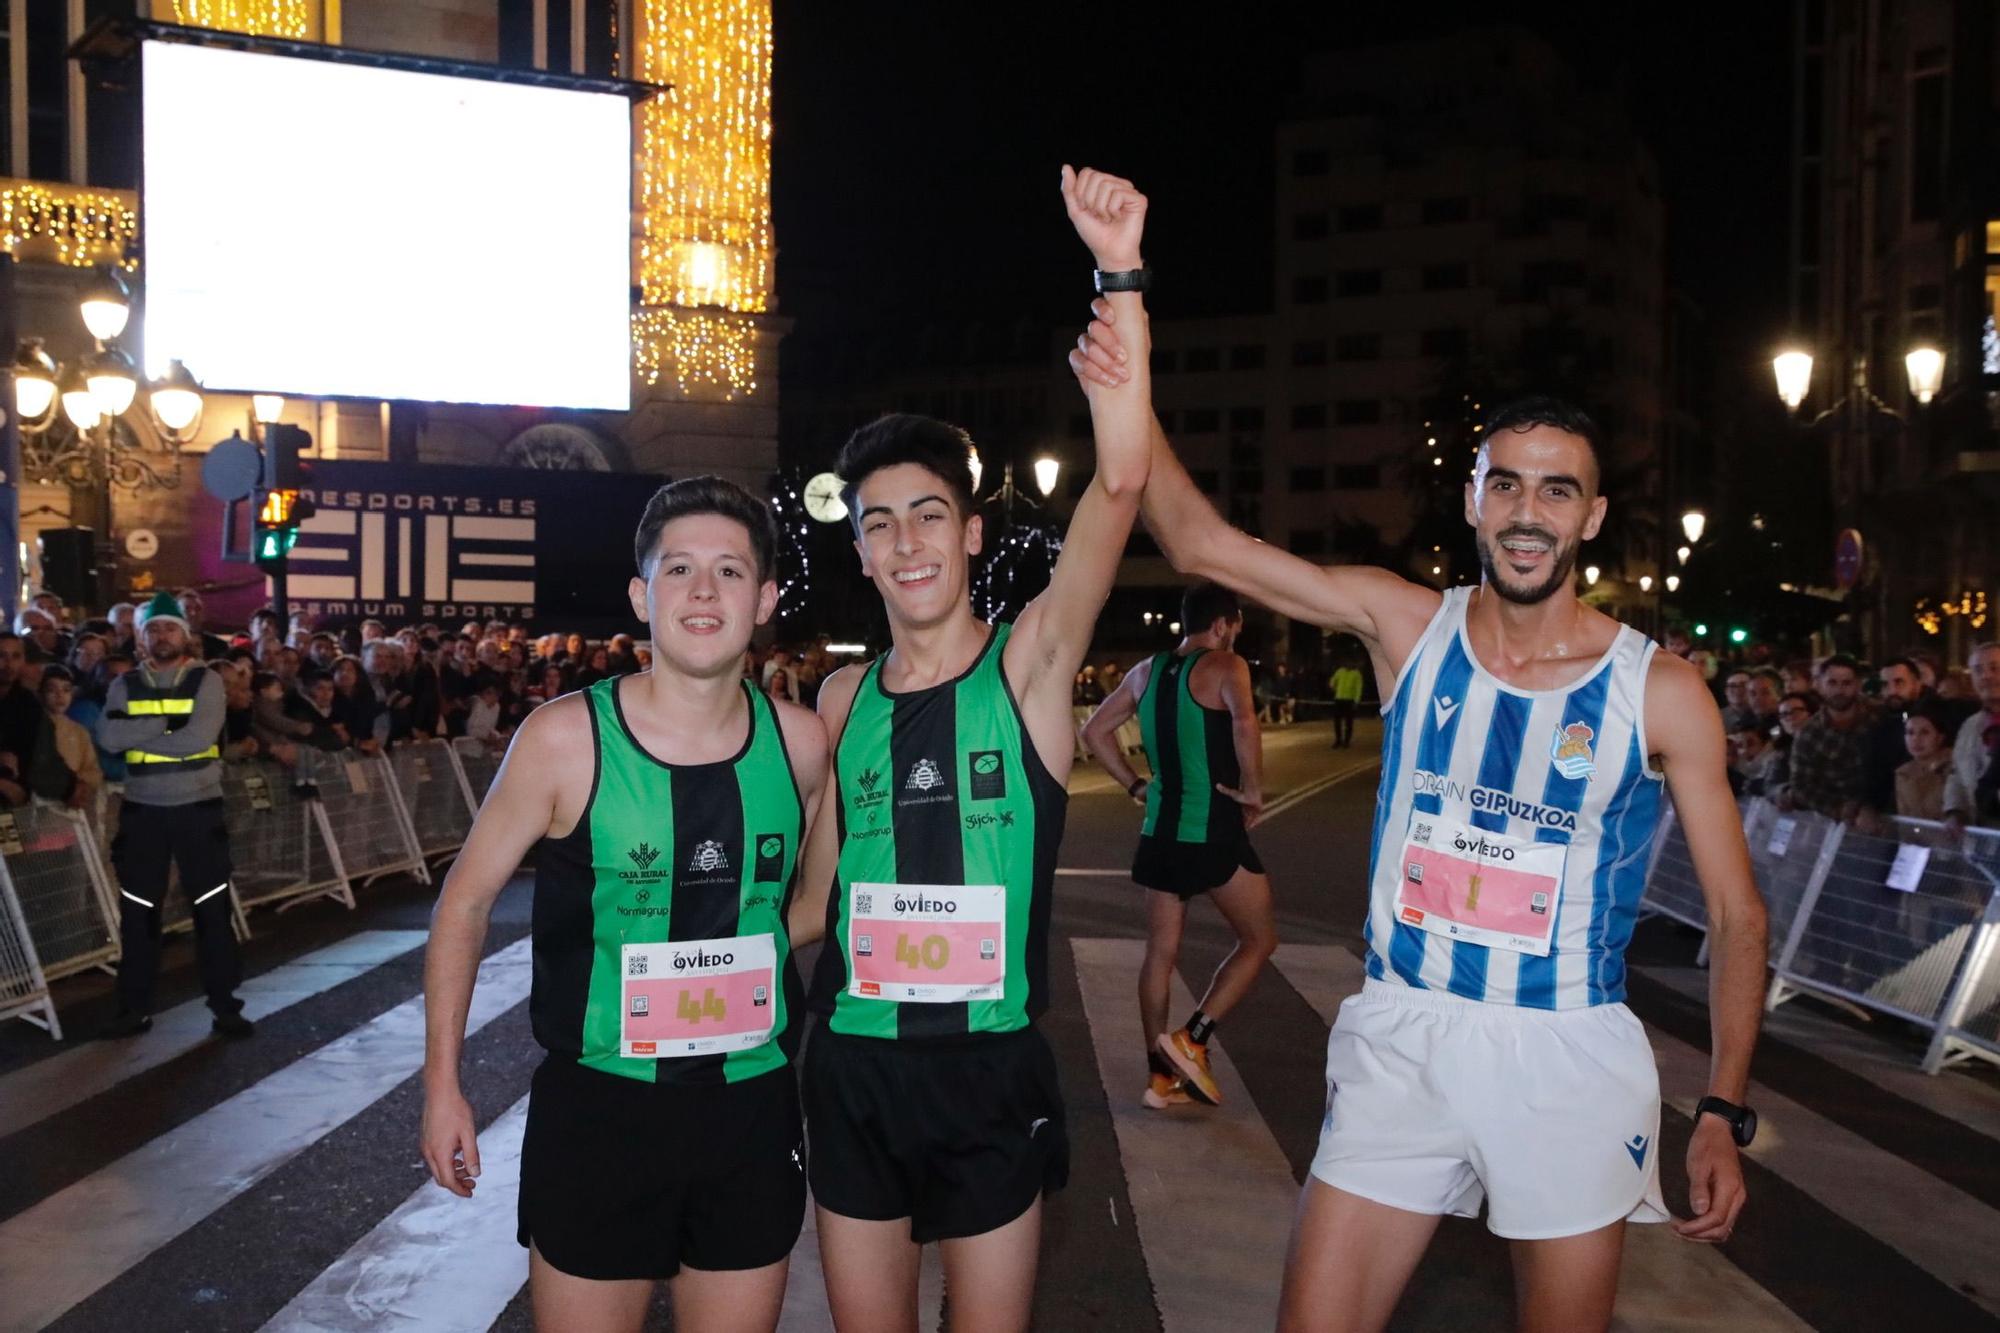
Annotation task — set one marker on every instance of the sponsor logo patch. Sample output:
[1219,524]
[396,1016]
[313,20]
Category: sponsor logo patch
[989,775]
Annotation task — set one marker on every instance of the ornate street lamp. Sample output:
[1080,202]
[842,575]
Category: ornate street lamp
[106,305]
[1046,471]
[1693,524]
[1794,372]
[34,380]
[1925,367]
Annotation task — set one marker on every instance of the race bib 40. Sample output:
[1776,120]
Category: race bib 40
[927,943]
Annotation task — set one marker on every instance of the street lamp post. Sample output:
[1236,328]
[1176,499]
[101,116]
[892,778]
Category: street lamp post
[65,423]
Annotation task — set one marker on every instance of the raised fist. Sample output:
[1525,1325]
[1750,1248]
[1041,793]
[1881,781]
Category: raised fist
[1108,214]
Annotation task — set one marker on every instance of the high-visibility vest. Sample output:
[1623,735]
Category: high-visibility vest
[174,702]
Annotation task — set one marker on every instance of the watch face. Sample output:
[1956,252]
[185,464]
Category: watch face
[822,497]
[1746,1128]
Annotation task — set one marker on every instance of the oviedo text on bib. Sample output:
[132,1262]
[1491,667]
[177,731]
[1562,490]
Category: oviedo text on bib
[1469,884]
[927,943]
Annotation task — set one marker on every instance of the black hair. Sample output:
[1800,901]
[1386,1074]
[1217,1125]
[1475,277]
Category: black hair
[1545,410]
[904,437]
[262,680]
[1205,603]
[706,495]
[1935,713]
[1907,663]
[1772,674]
[57,671]
[1839,660]
[1811,701]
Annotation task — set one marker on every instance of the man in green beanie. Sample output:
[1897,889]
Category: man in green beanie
[166,718]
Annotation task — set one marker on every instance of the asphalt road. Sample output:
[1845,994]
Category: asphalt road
[1875,1193]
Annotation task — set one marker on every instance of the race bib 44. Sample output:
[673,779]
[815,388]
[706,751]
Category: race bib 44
[699,997]
[1484,888]
[927,943]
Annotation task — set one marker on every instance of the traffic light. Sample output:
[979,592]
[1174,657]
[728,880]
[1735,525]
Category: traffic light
[279,514]
[1739,635]
[283,502]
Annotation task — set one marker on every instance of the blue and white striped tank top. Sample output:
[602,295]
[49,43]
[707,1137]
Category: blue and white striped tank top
[1462,750]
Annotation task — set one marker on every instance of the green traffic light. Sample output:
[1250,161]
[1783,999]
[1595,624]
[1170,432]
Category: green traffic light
[1701,630]
[1739,635]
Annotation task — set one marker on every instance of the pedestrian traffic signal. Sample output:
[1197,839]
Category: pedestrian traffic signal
[279,513]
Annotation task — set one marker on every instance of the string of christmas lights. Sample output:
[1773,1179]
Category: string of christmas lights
[788,508]
[704,194]
[994,592]
[262,18]
[701,347]
[87,226]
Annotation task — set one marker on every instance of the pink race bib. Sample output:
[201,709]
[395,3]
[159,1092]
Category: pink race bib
[1485,888]
[701,997]
[927,943]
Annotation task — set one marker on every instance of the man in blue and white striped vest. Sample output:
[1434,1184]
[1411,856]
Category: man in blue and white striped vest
[1527,739]
[166,719]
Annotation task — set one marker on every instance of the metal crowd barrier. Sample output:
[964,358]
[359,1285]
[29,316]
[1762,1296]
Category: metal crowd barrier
[294,835]
[478,766]
[367,829]
[435,795]
[57,879]
[1902,920]
[24,987]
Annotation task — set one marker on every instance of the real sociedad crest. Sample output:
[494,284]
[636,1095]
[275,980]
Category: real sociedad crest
[1569,751]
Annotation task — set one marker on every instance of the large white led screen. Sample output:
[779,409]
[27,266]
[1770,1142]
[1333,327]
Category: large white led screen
[335,230]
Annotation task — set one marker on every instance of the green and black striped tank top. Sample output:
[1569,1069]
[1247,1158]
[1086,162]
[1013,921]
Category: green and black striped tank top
[664,855]
[937,925]
[1191,749]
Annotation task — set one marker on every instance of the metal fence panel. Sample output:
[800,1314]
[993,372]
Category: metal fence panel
[1893,920]
[1971,1023]
[364,819]
[58,884]
[176,912]
[1672,889]
[272,834]
[427,777]
[24,988]
[480,766]
[1784,849]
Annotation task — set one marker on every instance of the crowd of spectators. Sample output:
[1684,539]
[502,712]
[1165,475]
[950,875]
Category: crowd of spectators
[1911,736]
[362,687]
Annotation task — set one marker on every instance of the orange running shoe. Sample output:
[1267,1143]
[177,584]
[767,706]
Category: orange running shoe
[1164,1090]
[1190,1057]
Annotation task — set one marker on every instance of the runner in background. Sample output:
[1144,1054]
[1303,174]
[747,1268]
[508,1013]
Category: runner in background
[1199,722]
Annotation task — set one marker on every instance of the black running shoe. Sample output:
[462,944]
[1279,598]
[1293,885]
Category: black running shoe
[232,1025]
[129,1025]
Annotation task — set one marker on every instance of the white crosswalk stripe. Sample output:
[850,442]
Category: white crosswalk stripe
[122,1213]
[1212,1190]
[61,1081]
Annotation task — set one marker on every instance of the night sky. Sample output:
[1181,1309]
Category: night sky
[917,150]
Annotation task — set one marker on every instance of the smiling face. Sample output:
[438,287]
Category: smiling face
[1532,502]
[915,544]
[702,595]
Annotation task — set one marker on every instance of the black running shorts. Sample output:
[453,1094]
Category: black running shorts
[960,1135]
[622,1179]
[1187,869]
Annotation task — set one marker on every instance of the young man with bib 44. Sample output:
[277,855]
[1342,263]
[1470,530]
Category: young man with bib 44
[1199,721]
[666,810]
[1527,739]
[931,1100]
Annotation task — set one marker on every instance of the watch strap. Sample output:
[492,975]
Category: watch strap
[1124,280]
[1736,1117]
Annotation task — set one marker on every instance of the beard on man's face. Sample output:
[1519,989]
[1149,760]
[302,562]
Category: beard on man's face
[1562,561]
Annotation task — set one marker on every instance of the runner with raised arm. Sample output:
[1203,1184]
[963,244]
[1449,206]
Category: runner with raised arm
[666,810]
[931,1101]
[1526,741]
[1199,722]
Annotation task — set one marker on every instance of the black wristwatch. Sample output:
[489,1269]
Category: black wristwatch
[1124,280]
[1742,1121]
[1138,785]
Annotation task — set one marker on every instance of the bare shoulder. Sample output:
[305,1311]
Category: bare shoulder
[1401,610]
[557,729]
[836,697]
[1675,682]
[805,734]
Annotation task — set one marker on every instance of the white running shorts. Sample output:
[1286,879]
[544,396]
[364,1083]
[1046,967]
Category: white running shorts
[1435,1102]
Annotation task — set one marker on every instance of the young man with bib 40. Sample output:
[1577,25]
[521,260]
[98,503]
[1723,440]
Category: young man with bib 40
[1527,739]
[666,810]
[931,1098]
[1199,721]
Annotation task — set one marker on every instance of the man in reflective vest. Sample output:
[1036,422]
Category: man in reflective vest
[166,719]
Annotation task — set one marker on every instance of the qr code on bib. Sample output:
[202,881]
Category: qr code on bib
[635,966]
[864,903]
